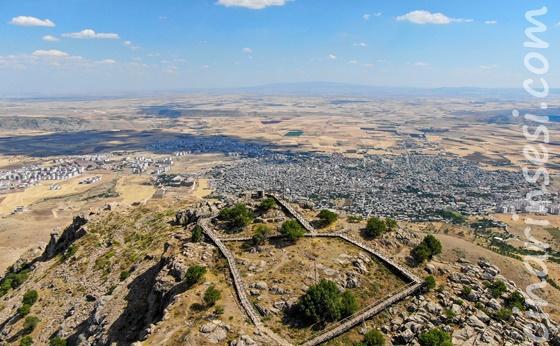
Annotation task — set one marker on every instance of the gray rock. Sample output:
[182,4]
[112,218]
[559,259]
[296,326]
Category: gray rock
[472,297]
[261,285]
[217,335]
[473,321]
[247,340]
[405,337]
[463,335]
[482,316]
[277,290]
[430,268]
[360,266]
[494,304]
[434,308]
[208,327]
[457,309]
[492,271]
[263,310]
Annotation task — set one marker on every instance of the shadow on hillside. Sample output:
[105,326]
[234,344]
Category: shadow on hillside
[10,322]
[133,320]
[95,142]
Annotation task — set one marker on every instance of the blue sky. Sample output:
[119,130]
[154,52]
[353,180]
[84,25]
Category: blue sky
[79,46]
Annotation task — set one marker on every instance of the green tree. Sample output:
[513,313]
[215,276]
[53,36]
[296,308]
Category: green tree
[321,302]
[503,314]
[497,288]
[125,274]
[374,338]
[466,291]
[375,227]
[194,274]
[30,297]
[30,323]
[261,233]
[348,304]
[428,248]
[212,295]
[421,253]
[327,217]
[516,300]
[57,342]
[354,219]
[433,244]
[430,282]
[238,216]
[435,337]
[24,310]
[196,234]
[292,229]
[391,223]
[267,204]
[26,341]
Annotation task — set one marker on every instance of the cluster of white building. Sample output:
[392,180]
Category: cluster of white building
[32,175]
[181,153]
[523,206]
[96,157]
[140,164]
[408,187]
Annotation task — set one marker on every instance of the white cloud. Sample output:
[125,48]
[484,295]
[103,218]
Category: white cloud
[50,38]
[378,14]
[162,17]
[368,65]
[106,61]
[180,60]
[361,44]
[488,67]
[153,54]
[557,24]
[137,59]
[490,22]
[425,17]
[352,62]
[30,21]
[252,4]
[170,69]
[129,44]
[366,16]
[53,53]
[420,64]
[247,50]
[88,33]
[135,64]
[331,56]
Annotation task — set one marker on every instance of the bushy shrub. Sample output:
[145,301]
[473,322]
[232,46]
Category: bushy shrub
[194,274]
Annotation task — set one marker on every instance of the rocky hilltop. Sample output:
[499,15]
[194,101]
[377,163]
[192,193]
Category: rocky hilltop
[118,276]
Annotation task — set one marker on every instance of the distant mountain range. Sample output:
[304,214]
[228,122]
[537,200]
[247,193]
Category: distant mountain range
[311,88]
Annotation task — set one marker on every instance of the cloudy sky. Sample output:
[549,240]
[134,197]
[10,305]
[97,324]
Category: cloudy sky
[80,46]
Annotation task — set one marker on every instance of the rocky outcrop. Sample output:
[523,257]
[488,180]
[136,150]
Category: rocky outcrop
[60,242]
[203,209]
[468,324]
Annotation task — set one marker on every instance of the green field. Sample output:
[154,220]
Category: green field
[555,232]
[294,134]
